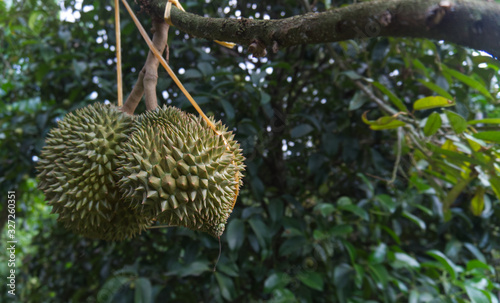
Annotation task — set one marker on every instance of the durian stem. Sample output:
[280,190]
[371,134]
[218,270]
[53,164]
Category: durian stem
[160,38]
[135,95]
[165,65]
[119,86]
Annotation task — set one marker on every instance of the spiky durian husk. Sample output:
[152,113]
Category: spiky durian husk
[176,169]
[77,169]
[125,223]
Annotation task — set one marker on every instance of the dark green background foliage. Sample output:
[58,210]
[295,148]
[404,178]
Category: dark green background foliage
[316,219]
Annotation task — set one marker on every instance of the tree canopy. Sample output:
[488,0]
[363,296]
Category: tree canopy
[372,169]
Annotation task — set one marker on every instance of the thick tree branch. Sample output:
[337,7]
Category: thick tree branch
[470,23]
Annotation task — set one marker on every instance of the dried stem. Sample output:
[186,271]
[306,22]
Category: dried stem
[119,86]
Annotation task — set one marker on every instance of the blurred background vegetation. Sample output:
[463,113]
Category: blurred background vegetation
[320,217]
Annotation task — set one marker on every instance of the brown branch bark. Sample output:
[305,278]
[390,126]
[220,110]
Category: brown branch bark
[470,23]
[148,76]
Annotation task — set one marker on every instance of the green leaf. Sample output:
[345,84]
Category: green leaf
[379,274]
[260,230]
[391,233]
[492,136]
[432,102]
[390,125]
[276,280]
[340,230]
[476,264]
[191,74]
[325,209]
[344,200]
[194,268]
[264,97]
[474,143]
[457,122]
[404,260]
[484,121]
[352,75]
[143,291]
[475,251]
[235,233]
[35,21]
[437,151]
[476,295]
[301,130]
[357,101]
[205,68]
[495,185]
[438,89]
[477,202]
[290,245]
[276,208]
[228,109]
[111,288]
[448,265]
[419,65]
[351,250]
[387,202]
[394,99]
[386,122]
[312,279]
[342,275]
[363,214]
[359,277]
[415,220]
[433,124]
[378,255]
[283,295]
[226,286]
[468,81]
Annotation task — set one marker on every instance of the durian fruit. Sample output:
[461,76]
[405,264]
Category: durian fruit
[125,223]
[77,173]
[175,168]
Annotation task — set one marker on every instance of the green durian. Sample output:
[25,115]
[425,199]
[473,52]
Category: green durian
[176,169]
[77,173]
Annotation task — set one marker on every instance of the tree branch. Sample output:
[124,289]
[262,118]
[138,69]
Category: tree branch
[470,23]
[148,77]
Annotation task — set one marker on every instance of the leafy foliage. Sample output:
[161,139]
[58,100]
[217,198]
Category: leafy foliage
[323,215]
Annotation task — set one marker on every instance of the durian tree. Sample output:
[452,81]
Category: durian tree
[370,163]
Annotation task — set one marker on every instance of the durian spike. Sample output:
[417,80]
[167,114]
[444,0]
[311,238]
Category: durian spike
[165,65]
[119,86]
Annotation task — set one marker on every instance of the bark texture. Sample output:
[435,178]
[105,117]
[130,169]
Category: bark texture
[471,23]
